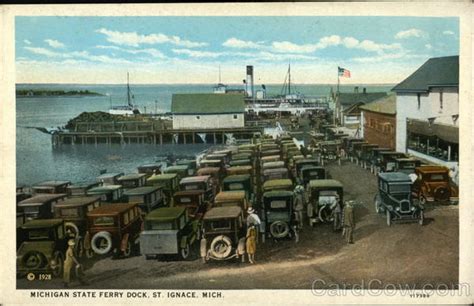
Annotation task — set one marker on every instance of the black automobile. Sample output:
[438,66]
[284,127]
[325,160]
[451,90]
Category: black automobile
[395,200]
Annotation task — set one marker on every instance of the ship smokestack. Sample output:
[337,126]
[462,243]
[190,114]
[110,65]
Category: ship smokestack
[249,87]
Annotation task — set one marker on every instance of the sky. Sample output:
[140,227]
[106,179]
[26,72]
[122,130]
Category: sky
[174,49]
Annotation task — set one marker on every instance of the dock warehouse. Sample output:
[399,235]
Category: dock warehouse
[207,111]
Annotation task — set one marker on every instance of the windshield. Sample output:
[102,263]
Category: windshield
[436,177]
[104,221]
[194,186]
[136,199]
[183,200]
[220,225]
[38,234]
[69,212]
[400,188]
[327,197]
[153,225]
[278,204]
[407,165]
[236,186]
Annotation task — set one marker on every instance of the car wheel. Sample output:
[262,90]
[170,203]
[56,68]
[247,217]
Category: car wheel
[279,229]
[184,252]
[33,260]
[221,247]
[128,249]
[325,214]
[422,218]
[58,261]
[389,218]
[101,243]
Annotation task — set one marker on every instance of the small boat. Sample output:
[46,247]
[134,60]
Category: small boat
[126,110]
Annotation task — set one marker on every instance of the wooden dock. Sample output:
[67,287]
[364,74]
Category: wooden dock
[146,133]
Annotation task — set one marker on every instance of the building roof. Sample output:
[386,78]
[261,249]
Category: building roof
[203,103]
[349,98]
[385,105]
[436,72]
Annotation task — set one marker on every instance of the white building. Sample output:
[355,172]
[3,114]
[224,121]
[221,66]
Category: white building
[428,111]
[207,111]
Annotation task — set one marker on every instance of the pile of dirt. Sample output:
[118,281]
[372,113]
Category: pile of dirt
[101,117]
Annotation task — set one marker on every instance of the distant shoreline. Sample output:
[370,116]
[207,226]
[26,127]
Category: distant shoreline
[24,93]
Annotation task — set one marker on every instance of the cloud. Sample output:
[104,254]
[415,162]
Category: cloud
[428,46]
[26,41]
[388,57]
[335,40]
[134,39]
[193,53]
[54,43]
[447,32]
[43,51]
[241,44]
[410,33]
[150,51]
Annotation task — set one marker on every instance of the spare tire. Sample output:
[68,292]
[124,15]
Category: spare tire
[279,229]
[34,260]
[74,230]
[221,247]
[441,193]
[101,243]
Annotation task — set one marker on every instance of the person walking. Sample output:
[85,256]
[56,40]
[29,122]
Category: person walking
[251,243]
[69,263]
[349,223]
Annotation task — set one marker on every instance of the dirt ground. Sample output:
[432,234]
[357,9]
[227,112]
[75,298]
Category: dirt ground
[404,253]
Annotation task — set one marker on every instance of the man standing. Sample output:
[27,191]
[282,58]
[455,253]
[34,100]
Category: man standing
[299,205]
[349,223]
[253,220]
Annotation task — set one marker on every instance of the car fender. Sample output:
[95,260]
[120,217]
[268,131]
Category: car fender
[123,243]
[241,246]
[183,242]
[203,247]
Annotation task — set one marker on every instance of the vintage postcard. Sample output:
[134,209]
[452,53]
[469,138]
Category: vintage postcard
[237,153]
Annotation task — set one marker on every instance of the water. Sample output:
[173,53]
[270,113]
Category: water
[38,161]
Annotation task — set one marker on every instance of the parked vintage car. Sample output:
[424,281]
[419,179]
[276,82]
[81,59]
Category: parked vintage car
[43,249]
[211,163]
[394,198]
[433,185]
[115,228]
[309,172]
[149,169]
[406,165]
[80,189]
[191,163]
[236,170]
[374,158]
[240,162]
[282,184]
[132,180]
[323,199]
[109,178]
[40,206]
[386,161]
[278,214]
[270,158]
[354,150]
[148,198]
[74,213]
[363,155]
[330,151]
[170,183]
[240,182]
[108,193]
[272,152]
[168,231]
[275,174]
[193,201]
[51,187]
[232,198]
[224,234]
[181,170]
[22,194]
[203,183]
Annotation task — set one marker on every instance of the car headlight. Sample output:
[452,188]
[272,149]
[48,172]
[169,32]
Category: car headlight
[397,208]
[412,208]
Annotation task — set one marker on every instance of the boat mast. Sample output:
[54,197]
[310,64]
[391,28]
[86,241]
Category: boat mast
[128,90]
[289,79]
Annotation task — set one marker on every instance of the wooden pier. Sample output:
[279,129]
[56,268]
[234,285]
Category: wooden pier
[146,133]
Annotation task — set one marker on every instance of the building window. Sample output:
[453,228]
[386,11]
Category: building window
[198,117]
[440,100]
[235,116]
[418,96]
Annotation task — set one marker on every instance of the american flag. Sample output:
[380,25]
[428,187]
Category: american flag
[342,72]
